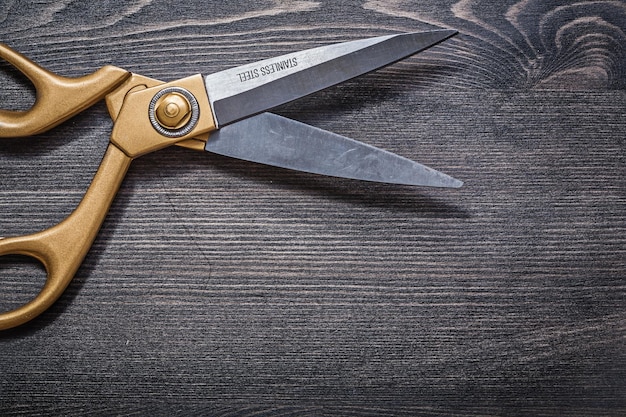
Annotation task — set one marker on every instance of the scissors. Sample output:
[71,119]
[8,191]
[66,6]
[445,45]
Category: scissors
[232,105]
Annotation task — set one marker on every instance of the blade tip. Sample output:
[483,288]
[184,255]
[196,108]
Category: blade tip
[428,39]
[456,183]
[443,34]
[447,33]
[448,182]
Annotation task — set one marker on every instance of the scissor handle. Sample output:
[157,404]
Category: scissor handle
[58,98]
[61,248]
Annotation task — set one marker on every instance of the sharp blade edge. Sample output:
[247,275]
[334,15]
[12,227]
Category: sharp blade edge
[275,140]
[254,88]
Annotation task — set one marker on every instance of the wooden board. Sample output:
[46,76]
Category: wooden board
[220,287]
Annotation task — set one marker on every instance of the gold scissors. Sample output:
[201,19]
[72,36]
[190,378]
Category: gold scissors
[150,115]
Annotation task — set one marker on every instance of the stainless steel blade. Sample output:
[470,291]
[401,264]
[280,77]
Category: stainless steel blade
[254,88]
[281,142]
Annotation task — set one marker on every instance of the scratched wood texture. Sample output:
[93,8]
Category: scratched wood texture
[219,287]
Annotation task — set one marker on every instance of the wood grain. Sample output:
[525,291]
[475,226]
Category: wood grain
[219,287]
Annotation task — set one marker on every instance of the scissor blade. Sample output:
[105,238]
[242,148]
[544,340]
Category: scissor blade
[275,140]
[254,88]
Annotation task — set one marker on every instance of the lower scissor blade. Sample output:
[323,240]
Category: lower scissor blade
[274,140]
[257,87]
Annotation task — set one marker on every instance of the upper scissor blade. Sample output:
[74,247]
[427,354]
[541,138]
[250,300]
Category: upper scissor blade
[253,88]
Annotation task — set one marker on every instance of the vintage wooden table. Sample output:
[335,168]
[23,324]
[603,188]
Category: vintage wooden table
[219,287]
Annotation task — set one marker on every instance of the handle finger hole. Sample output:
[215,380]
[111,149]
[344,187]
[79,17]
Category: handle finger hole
[21,280]
[17,92]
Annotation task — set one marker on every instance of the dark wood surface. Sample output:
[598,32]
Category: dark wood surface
[219,287]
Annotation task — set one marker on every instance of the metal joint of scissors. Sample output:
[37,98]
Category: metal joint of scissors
[150,115]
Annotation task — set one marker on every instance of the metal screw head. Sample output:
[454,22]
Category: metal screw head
[173,110]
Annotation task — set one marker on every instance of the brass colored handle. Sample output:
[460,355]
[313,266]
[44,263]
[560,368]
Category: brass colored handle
[58,98]
[61,249]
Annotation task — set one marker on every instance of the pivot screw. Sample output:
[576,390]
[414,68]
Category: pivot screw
[173,110]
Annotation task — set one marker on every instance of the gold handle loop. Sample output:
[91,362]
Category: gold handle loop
[61,249]
[58,98]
